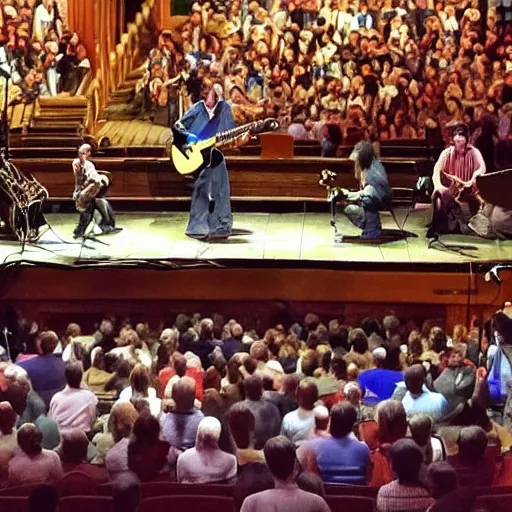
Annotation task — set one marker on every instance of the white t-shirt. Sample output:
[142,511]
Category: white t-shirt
[297,425]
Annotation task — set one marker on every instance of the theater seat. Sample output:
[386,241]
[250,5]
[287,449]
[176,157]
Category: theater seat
[154,489]
[350,503]
[498,503]
[363,491]
[86,504]
[76,483]
[187,504]
[13,503]
[22,490]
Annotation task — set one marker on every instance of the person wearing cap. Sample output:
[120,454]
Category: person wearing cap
[210,209]
[454,200]
[362,207]
[379,384]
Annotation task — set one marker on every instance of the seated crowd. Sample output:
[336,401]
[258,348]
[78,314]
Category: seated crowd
[45,58]
[343,70]
[383,405]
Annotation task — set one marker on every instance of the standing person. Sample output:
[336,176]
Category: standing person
[210,210]
[454,200]
[89,194]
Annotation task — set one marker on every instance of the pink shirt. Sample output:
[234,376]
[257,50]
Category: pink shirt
[464,165]
[73,409]
[44,468]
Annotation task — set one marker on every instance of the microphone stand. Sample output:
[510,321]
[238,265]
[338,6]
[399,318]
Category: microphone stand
[5,121]
[7,346]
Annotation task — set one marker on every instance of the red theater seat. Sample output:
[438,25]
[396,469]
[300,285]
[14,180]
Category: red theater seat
[362,491]
[350,503]
[86,504]
[187,504]
[154,489]
[77,483]
[22,490]
[498,503]
[13,503]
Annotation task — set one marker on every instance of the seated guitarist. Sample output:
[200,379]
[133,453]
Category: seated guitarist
[454,200]
[210,210]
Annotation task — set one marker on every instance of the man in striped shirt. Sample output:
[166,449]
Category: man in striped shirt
[454,200]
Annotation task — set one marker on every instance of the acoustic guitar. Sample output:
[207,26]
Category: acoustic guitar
[191,158]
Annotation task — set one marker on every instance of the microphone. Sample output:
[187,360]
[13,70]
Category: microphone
[6,331]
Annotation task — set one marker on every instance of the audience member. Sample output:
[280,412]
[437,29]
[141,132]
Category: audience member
[46,371]
[179,425]
[444,487]
[321,429]
[286,398]
[206,463]
[254,477]
[421,426]
[297,425]
[148,456]
[473,470]
[241,425]
[73,407]
[8,439]
[418,399]
[32,464]
[340,458]
[286,497]
[126,492]
[457,381]
[73,455]
[234,343]
[267,421]
[379,383]
[140,387]
[311,482]
[96,377]
[121,421]
[406,493]
[44,498]
[359,353]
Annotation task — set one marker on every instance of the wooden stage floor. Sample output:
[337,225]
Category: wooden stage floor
[289,237]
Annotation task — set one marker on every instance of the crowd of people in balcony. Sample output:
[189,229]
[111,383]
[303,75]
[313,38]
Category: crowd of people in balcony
[381,69]
[388,404]
[44,57]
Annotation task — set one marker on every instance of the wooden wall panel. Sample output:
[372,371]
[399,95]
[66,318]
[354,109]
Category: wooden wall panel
[251,294]
[250,176]
[312,285]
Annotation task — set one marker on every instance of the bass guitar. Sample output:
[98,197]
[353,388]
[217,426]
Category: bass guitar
[192,157]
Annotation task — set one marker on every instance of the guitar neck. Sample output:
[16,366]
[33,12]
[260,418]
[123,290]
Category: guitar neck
[226,137]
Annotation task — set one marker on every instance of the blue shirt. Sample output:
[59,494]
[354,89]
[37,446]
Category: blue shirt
[46,374]
[180,429]
[428,402]
[378,384]
[342,460]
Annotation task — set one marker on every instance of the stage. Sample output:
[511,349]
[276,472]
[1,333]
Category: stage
[268,237]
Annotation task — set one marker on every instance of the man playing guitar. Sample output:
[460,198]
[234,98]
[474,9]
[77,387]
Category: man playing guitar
[455,199]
